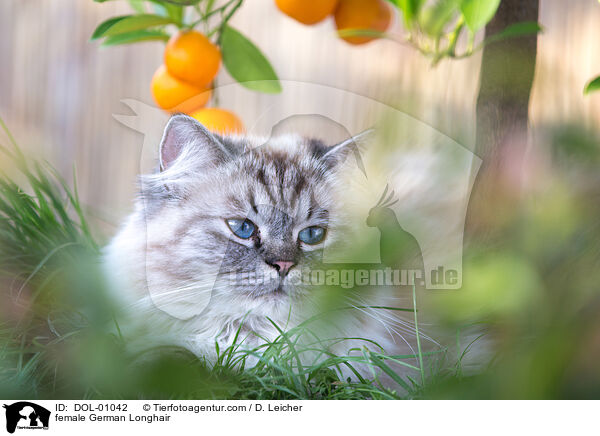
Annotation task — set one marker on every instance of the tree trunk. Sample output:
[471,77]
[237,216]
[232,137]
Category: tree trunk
[507,72]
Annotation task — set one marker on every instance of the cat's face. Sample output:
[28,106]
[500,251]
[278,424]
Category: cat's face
[242,221]
[271,219]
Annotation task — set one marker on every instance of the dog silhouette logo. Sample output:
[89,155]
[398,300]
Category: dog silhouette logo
[26,415]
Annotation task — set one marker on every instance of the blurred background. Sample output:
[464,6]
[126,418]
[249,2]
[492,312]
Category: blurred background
[58,90]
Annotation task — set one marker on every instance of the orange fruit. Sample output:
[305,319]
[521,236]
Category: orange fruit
[175,95]
[364,15]
[191,57]
[219,120]
[307,11]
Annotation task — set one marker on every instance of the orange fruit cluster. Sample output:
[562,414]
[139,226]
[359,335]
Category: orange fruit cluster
[361,15]
[184,82]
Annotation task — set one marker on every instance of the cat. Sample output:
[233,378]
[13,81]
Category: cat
[220,237]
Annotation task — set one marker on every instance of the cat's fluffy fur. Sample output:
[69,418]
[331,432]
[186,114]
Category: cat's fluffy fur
[174,262]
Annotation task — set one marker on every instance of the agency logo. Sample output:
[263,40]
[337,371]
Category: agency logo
[26,415]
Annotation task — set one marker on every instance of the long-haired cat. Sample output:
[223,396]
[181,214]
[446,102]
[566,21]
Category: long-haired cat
[221,235]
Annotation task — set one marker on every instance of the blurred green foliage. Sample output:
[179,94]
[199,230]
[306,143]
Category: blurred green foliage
[536,285]
[435,27]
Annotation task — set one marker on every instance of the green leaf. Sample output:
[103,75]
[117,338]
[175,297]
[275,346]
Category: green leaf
[592,86]
[515,30]
[478,13]
[175,12]
[164,9]
[410,9]
[138,6]
[246,63]
[105,25]
[136,36]
[129,23]
[436,17]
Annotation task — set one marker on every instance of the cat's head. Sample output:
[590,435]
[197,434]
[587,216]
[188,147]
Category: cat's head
[237,219]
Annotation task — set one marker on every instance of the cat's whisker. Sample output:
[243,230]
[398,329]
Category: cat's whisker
[386,326]
[173,295]
[405,326]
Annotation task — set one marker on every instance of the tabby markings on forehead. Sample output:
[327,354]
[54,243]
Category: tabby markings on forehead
[260,176]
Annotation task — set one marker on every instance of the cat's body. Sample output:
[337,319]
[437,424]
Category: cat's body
[187,278]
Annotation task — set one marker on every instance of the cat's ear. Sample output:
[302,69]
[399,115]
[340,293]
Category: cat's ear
[185,139]
[337,154]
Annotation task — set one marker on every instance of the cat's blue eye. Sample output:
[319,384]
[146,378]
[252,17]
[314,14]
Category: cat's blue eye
[241,228]
[312,235]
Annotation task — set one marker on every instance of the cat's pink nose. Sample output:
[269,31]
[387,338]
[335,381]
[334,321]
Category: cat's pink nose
[283,267]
